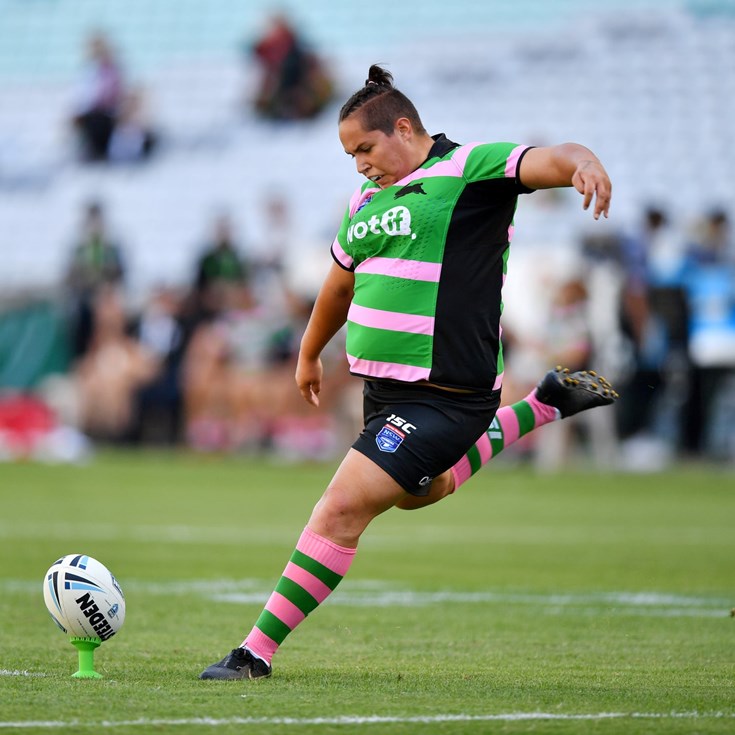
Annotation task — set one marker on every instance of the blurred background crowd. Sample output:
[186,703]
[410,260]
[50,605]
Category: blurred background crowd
[171,181]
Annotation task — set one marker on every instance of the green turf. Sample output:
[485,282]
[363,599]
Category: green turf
[521,596]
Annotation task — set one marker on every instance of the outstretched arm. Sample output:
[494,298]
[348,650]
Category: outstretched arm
[328,315]
[568,164]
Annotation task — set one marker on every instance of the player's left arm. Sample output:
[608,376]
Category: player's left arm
[568,164]
[327,317]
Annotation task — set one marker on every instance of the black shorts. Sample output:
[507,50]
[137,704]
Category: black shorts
[415,433]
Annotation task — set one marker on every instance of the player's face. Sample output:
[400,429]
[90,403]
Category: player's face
[384,159]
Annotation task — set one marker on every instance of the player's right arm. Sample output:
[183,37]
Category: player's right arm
[569,164]
[327,317]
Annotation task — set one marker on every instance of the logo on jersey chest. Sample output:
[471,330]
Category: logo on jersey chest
[395,221]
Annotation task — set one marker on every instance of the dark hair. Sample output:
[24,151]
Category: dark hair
[379,104]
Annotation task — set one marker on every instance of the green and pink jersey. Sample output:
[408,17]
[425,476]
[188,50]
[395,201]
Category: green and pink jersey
[421,251]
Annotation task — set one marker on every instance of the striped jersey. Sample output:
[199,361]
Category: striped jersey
[429,256]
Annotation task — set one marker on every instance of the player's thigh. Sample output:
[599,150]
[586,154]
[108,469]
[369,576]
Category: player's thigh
[359,491]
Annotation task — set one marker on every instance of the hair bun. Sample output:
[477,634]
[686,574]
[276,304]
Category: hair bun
[379,76]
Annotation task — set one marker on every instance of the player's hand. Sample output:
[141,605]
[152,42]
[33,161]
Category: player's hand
[309,379]
[592,182]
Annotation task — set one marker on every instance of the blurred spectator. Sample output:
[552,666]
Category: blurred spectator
[710,286]
[95,261]
[230,384]
[160,330]
[294,83]
[564,337]
[220,265]
[112,371]
[133,138]
[713,242]
[654,316]
[269,273]
[98,99]
[238,382]
[273,249]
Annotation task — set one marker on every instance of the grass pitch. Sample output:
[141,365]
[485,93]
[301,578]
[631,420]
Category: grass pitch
[574,603]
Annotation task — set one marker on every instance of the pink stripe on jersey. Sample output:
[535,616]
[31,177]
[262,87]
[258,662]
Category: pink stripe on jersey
[444,168]
[390,320]
[313,585]
[511,232]
[511,165]
[393,370]
[461,154]
[508,421]
[453,167]
[333,556]
[261,644]
[341,256]
[284,610]
[416,270]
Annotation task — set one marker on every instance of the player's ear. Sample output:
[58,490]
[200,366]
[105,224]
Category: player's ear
[403,128]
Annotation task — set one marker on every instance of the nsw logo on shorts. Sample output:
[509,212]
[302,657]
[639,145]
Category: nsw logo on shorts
[389,439]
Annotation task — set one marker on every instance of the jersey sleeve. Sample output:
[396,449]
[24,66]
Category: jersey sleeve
[496,161]
[341,251]
[340,246]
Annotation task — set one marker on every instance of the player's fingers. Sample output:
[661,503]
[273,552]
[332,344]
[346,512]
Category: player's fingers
[602,206]
[592,187]
[589,192]
[602,202]
[310,393]
[585,186]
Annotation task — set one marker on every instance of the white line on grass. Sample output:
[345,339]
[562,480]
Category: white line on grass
[367,719]
[15,672]
[622,604]
[378,593]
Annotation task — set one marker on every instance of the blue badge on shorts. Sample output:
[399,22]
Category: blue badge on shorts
[388,439]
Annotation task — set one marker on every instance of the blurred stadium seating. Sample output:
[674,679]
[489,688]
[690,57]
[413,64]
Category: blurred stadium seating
[648,85]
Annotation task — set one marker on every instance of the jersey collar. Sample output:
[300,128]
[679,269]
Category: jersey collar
[442,146]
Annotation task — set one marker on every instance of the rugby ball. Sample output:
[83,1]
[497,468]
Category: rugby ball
[83,597]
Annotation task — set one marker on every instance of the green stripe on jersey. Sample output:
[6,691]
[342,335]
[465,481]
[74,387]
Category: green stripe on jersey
[526,419]
[487,161]
[383,345]
[324,574]
[401,295]
[296,594]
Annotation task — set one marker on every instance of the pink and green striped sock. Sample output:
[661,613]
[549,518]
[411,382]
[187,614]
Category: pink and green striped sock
[510,424]
[315,569]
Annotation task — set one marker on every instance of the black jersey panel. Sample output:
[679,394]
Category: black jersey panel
[466,339]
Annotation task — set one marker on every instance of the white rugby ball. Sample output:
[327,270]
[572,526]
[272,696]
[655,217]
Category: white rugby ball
[83,597]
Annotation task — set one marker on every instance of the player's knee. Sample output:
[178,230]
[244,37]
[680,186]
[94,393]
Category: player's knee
[411,502]
[334,507]
[440,488]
